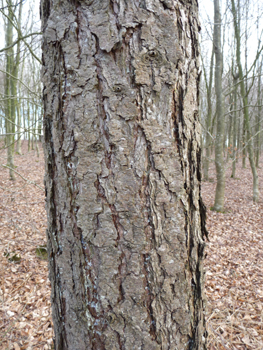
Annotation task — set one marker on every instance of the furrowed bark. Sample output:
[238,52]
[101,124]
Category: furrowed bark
[126,221]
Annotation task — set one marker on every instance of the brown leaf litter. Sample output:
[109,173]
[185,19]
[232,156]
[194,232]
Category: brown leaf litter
[234,264]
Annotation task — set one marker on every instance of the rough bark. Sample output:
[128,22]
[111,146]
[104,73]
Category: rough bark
[126,222]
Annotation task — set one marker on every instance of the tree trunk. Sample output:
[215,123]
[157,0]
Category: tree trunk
[18,143]
[40,124]
[245,107]
[244,144]
[126,222]
[239,143]
[219,144]
[229,133]
[208,131]
[258,128]
[17,84]
[28,126]
[235,143]
[10,109]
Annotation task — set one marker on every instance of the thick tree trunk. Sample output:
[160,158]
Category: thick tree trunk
[126,221]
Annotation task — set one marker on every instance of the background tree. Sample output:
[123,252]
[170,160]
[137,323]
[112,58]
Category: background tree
[235,130]
[240,122]
[10,89]
[208,119]
[258,124]
[122,147]
[220,126]
[244,93]
[20,46]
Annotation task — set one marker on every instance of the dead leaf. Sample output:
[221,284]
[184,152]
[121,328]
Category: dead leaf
[16,346]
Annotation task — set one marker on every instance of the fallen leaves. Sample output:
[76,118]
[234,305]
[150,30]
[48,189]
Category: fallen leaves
[25,310]
[234,264]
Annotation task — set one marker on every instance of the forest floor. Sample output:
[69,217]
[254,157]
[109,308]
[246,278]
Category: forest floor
[234,263]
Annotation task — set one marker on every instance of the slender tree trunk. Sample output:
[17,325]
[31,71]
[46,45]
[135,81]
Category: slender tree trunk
[245,108]
[122,149]
[35,129]
[32,126]
[239,145]
[230,132]
[208,131]
[16,84]
[19,109]
[219,144]
[9,97]
[2,127]
[258,118]
[40,125]
[12,65]
[18,113]
[24,120]
[28,126]
[244,144]
[235,143]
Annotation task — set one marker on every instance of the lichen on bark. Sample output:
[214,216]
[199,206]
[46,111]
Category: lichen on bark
[122,141]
